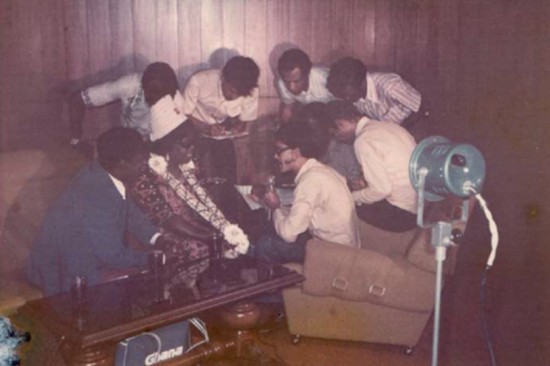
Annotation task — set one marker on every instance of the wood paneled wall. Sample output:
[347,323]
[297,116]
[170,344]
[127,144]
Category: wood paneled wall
[50,48]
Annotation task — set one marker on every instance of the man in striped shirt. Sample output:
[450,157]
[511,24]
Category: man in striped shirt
[379,96]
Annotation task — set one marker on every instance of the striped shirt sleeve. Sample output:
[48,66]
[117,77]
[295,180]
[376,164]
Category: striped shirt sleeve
[402,92]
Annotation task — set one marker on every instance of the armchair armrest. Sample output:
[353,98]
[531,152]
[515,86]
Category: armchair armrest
[365,275]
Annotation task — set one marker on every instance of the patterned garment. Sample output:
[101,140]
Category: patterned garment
[186,257]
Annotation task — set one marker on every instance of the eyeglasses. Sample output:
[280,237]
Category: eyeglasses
[281,150]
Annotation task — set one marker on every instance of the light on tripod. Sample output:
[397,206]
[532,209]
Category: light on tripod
[440,169]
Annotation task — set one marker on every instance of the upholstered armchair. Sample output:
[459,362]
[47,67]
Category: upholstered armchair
[381,293]
[30,181]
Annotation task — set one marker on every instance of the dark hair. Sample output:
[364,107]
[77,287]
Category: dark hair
[293,58]
[118,144]
[242,74]
[347,71]
[315,115]
[162,146]
[158,80]
[301,136]
[339,109]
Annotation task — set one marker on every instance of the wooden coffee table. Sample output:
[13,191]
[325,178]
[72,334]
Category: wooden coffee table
[120,309]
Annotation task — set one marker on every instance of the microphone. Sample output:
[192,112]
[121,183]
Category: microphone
[270,188]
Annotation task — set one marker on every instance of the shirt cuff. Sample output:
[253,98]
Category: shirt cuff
[154,238]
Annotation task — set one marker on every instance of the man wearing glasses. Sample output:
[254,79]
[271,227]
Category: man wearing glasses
[322,207]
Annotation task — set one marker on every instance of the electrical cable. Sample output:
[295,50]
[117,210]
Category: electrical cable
[492,226]
[483,287]
[484,322]
[201,327]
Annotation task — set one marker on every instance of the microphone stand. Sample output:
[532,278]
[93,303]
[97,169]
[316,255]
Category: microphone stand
[270,188]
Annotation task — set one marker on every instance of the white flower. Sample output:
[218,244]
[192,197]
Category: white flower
[158,164]
[188,166]
[230,254]
[235,235]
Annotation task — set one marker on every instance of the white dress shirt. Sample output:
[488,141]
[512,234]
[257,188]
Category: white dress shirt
[203,99]
[384,150]
[323,204]
[388,98]
[317,90]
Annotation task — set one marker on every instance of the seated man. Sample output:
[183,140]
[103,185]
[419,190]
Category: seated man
[303,91]
[220,103]
[129,90]
[82,234]
[388,200]
[379,96]
[322,205]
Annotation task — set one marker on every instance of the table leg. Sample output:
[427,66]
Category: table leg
[242,318]
[92,356]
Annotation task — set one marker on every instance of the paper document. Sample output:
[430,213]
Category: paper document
[245,192]
[286,196]
[226,136]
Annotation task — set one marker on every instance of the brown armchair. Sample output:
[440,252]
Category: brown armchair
[381,293]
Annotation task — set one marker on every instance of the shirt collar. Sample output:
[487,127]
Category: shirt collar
[311,162]
[119,186]
[362,123]
[220,91]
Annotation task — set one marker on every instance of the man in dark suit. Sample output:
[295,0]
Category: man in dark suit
[82,234]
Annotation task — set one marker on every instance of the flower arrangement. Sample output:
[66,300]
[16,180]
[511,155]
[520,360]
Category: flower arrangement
[198,199]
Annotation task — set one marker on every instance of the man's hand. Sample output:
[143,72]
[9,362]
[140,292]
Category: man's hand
[217,130]
[271,200]
[258,192]
[356,184]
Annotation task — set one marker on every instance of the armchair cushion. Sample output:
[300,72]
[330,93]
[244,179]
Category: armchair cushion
[365,275]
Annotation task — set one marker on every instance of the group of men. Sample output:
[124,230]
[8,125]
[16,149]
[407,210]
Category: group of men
[341,135]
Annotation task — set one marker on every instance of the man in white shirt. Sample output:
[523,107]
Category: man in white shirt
[322,205]
[158,78]
[379,96]
[211,96]
[388,200]
[300,82]
[221,103]
[301,86]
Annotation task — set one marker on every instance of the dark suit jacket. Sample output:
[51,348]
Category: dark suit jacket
[83,233]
